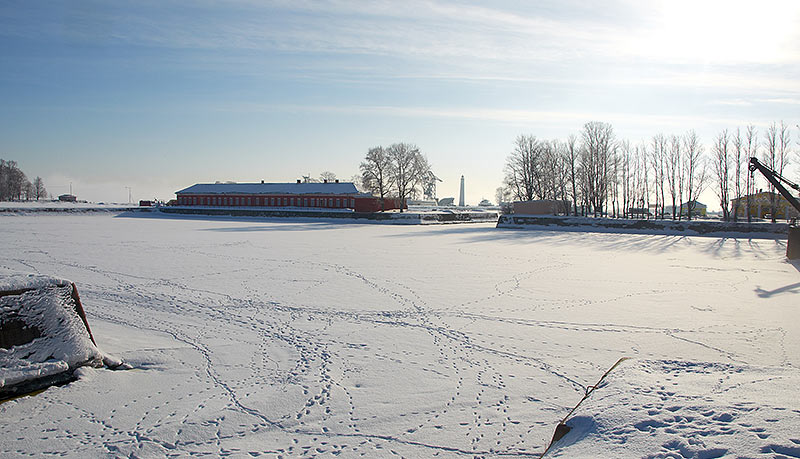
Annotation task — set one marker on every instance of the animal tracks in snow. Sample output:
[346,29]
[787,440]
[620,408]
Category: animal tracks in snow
[364,341]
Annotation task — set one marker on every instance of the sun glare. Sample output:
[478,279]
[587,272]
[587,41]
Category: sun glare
[723,31]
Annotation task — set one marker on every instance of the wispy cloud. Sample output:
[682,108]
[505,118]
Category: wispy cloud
[497,115]
[545,32]
[732,102]
[782,100]
[757,101]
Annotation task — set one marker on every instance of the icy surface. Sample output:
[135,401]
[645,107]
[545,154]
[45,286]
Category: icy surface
[278,338]
[44,303]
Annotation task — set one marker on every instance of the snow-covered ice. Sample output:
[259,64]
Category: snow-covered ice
[316,339]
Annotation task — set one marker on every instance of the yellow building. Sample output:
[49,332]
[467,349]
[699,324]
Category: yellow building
[698,210]
[761,206]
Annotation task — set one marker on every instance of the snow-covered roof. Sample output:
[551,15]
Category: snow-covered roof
[344,188]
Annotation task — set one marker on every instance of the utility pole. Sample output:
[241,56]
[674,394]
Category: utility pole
[129,194]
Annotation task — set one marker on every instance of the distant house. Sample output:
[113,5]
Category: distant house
[421,202]
[761,206]
[639,212]
[698,210]
[67,198]
[541,207]
[327,195]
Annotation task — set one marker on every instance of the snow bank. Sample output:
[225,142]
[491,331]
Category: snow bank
[38,207]
[43,331]
[338,215]
[631,226]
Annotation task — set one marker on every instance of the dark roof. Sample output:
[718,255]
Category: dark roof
[343,188]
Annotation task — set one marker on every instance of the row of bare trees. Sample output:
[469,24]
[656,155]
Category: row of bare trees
[731,152]
[669,169]
[397,171]
[15,186]
[601,175]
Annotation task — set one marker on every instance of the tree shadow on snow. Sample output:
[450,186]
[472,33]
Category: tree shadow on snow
[734,246]
[605,240]
[715,245]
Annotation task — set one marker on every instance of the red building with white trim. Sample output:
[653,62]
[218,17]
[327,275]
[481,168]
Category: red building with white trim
[333,195]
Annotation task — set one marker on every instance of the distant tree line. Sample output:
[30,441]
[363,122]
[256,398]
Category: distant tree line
[598,174]
[15,186]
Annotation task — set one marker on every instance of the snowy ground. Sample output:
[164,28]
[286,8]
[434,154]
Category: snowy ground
[317,339]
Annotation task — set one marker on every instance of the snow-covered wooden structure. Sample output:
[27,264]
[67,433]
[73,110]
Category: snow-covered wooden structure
[44,334]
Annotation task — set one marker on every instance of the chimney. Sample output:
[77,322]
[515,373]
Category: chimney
[298,181]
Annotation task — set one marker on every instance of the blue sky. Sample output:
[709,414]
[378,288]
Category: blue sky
[158,95]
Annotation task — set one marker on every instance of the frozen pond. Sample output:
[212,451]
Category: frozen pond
[317,339]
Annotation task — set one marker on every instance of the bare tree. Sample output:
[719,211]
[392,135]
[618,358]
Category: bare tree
[598,144]
[555,174]
[722,166]
[409,169]
[563,169]
[502,195]
[429,185]
[571,156]
[524,168]
[681,181]
[694,170]
[673,168]
[13,182]
[613,178]
[327,177]
[658,152]
[772,161]
[777,139]
[356,180]
[28,191]
[376,173]
[739,158]
[39,190]
[626,176]
[751,142]
[645,178]
[784,140]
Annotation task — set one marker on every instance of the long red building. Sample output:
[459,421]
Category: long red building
[333,195]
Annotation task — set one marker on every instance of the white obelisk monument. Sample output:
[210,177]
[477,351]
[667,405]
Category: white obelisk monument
[461,195]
